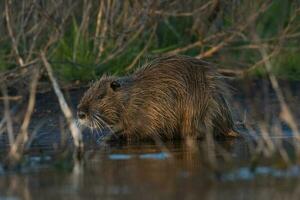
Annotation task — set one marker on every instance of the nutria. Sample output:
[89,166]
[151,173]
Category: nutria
[168,97]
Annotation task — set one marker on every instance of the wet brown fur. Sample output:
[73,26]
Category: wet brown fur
[168,97]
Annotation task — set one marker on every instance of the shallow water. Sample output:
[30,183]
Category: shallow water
[145,170]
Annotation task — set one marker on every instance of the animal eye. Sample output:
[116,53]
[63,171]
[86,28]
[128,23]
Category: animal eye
[114,85]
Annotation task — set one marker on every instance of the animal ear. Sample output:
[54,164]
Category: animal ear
[114,85]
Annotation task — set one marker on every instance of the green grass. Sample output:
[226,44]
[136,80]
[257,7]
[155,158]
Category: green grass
[274,19]
[74,57]
[4,63]
[287,66]
[76,61]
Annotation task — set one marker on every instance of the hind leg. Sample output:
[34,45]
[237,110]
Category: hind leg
[212,118]
[221,117]
[193,124]
[189,123]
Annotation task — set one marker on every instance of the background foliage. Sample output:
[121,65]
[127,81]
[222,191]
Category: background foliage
[84,39]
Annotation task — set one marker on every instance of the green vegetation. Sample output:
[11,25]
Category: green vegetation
[73,58]
[114,35]
[287,66]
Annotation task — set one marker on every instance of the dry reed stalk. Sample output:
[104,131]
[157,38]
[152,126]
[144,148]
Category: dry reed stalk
[240,28]
[263,46]
[286,114]
[267,144]
[119,50]
[260,62]
[198,43]
[17,147]
[2,125]
[279,144]
[77,175]
[183,14]
[83,26]
[7,116]
[34,134]
[12,98]
[98,23]
[11,34]
[76,134]
[142,52]
[104,29]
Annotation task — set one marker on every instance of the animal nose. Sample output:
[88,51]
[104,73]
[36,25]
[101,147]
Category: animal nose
[81,114]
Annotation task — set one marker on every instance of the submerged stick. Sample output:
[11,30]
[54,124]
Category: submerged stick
[76,133]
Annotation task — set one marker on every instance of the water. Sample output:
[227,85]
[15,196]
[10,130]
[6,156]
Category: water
[146,170]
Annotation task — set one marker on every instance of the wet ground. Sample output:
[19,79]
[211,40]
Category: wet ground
[146,170]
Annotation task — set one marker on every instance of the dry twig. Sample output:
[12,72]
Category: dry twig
[17,146]
[76,134]
[141,52]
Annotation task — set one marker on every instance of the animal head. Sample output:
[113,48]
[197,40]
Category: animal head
[103,103]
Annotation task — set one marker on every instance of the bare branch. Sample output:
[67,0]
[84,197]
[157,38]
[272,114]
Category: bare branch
[77,137]
[143,50]
[11,34]
[18,146]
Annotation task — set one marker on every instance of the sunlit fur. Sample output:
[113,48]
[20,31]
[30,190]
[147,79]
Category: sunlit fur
[168,97]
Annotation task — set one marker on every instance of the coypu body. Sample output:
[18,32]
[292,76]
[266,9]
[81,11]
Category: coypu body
[168,97]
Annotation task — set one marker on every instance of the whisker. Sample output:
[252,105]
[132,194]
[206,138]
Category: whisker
[98,121]
[103,122]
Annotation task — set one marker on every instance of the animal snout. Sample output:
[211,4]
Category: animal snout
[82,112]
